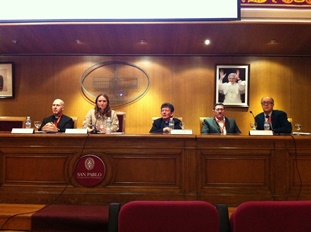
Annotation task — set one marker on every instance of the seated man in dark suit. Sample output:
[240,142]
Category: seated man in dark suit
[276,118]
[219,123]
[161,125]
[58,122]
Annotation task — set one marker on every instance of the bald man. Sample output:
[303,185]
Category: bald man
[58,122]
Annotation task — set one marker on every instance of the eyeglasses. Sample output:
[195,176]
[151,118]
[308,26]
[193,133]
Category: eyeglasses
[266,103]
[219,109]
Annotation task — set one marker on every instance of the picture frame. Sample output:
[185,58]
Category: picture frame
[7,80]
[232,85]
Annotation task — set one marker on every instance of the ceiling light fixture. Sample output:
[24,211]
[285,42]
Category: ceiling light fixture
[78,41]
[272,41]
[14,41]
[207,42]
[142,42]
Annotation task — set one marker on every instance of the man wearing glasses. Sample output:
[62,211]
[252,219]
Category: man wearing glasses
[276,119]
[219,123]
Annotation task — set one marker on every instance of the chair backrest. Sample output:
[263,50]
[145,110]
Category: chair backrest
[201,121]
[272,216]
[121,118]
[9,122]
[167,216]
[75,121]
[114,209]
[154,118]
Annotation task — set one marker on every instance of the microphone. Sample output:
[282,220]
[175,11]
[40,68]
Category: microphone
[95,131]
[252,114]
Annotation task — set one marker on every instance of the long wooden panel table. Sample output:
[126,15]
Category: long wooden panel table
[38,168]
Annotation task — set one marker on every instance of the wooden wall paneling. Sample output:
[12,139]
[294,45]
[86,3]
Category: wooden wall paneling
[221,169]
[300,93]
[187,82]
[193,90]
[234,168]
[280,78]
[160,91]
[148,169]
[298,174]
[281,167]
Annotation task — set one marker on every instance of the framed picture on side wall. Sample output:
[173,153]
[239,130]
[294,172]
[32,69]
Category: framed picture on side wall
[232,85]
[6,80]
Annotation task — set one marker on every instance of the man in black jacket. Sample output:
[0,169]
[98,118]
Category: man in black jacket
[276,118]
[58,122]
[161,125]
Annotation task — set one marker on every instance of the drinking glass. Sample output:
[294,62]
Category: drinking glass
[253,125]
[298,126]
[37,124]
[100,125]
[182,125]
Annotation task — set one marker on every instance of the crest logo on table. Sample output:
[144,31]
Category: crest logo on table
[90,170]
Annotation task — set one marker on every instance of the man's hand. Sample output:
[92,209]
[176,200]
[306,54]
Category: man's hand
[237,75]
[50,127]
[166,130]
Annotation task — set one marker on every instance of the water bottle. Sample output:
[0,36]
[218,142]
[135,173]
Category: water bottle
[171,124]
[28,122]
[108,126]
[266,125]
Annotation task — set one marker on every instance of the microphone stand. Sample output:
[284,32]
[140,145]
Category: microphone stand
[94,131]
[254,125]
[253,115]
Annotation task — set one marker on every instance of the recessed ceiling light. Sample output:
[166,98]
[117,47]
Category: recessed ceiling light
[142,42]
[207,42]
[273,41]
[78,41]
[14,41]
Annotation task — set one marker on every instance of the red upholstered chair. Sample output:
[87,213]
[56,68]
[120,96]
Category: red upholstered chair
[168,216]
[272,216]
[121,118]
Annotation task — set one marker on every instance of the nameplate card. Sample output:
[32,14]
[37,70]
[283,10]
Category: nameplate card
[75,131]
[260,132]
[181,132]
[22,131]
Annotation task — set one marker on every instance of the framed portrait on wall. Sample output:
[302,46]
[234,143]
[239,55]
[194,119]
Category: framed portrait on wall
[6,80]
[232,85]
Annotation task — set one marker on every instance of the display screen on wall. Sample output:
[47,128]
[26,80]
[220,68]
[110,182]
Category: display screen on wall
[119,10]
